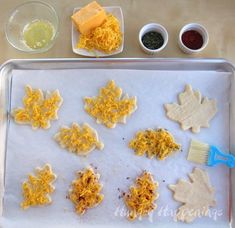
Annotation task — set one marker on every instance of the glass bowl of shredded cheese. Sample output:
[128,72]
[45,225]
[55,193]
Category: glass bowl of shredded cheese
[111,46]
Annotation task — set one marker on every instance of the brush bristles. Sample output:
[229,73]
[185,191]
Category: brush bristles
[198,152]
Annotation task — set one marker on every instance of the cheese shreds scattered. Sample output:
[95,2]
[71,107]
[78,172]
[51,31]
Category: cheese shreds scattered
[110,107]
[36,191]
[38,109]
[106,38]
[79,140]
[141,198]
[85,191]
[159,143]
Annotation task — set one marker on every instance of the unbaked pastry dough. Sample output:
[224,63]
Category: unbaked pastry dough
[110,106]
[39,109]
[79,139]
[154,142]
[37,189]
[141,198]
[197,196]
[85,191]
[192,111]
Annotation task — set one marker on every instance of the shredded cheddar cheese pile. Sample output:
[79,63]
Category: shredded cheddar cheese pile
[107,37]
[37,189]
[141,198]
[38,110]
[85,191]
[159,143]
[109,107]
[80,140]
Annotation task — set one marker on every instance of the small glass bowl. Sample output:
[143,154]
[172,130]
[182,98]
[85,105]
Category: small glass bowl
[25,14]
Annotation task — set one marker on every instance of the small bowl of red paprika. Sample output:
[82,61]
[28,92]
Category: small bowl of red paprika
[193,38]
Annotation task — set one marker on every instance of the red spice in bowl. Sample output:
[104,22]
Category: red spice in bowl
[192,39]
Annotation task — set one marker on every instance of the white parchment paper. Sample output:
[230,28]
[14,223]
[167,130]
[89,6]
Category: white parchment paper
[28,149]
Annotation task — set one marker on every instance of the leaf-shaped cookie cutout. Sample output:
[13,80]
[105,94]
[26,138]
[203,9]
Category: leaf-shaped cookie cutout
[85,191]
[197,196]
[38,109]
[79,139]
[141,199]
[110,106]
[154,142]
[37,190]
[192,111]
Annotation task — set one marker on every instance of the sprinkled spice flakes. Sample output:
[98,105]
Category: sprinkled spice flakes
[36,191]
[79,140]
[85,191]
[110,107]
[38,109]
[142,196]
[159,143]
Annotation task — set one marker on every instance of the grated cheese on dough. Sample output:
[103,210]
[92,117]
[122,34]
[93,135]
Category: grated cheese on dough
[38,109]
[37,189]
[106,38]
[85,191]
[110,107]
[159,143]
[142,196]
[80,140]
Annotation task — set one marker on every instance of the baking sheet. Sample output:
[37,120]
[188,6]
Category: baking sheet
[28,149]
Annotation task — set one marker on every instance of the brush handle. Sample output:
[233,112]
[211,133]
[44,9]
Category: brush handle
[218,157]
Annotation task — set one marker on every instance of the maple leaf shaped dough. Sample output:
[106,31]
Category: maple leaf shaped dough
[38,108]
[192,111]
[110,106]
[196,196]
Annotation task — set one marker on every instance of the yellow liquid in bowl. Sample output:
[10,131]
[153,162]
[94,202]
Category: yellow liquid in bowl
[38,34]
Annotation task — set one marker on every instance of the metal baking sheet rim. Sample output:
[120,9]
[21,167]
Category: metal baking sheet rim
[113,63]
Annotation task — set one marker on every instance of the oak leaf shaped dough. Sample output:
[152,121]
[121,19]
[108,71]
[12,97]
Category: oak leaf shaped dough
[192,111]
[196,196]
[37,189]
[85,191]
[154,142]
[141,198]
[80,140]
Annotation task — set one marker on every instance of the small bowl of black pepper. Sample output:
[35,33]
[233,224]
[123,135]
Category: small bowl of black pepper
[153,38]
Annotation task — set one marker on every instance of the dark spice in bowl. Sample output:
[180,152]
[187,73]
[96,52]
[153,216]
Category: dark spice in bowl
[152,40]
[192,39]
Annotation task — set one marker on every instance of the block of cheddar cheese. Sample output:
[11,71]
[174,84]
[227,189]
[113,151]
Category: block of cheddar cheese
[89,17]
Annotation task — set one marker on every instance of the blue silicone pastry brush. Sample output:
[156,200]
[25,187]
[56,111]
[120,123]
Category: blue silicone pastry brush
[210,155]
